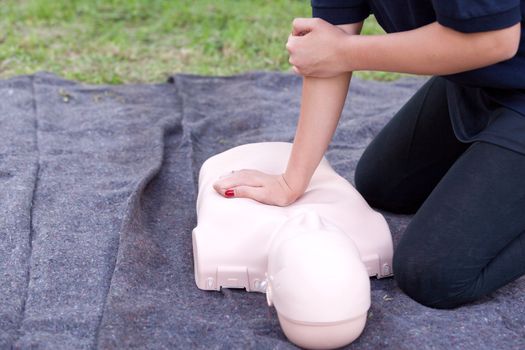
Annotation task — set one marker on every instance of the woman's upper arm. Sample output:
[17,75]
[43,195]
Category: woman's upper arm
[507,40]
[497,22]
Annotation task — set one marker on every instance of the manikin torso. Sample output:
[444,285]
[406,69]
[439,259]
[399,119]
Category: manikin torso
[313,258]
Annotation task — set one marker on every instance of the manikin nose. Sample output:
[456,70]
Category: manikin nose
[308,218]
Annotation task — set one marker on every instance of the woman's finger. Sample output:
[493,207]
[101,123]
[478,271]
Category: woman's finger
[289,42]
[228,174]
[256,193]
[301,26]
[242,177]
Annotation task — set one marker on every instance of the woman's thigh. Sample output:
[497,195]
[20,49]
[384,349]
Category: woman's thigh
[412,152]
[468,237]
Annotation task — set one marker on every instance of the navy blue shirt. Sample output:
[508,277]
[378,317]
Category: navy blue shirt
[486,104]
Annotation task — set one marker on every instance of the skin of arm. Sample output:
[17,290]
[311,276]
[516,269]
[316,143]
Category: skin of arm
[431,50]
[322,101]
[321,105]
[325,55]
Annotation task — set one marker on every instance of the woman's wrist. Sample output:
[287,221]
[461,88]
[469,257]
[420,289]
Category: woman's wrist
[346,48]
[296,185]
[349,49]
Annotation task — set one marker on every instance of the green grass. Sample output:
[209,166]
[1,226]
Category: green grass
[123,41]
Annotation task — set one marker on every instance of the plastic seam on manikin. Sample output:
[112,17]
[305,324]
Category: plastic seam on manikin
[327,324]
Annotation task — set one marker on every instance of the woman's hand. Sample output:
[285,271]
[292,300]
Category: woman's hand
[254,184]
[315,48]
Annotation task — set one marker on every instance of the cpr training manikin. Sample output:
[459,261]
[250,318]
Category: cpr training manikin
[312,258]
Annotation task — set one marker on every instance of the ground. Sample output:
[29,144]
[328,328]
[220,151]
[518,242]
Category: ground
[127,41]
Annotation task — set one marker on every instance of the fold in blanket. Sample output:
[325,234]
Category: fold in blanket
[98,203]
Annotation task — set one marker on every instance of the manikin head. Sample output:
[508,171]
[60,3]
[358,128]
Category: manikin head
[317,282]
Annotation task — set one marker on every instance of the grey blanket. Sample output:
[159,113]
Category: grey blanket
[97,204]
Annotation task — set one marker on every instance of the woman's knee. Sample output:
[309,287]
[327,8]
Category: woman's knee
[382,186]
[367,180]
[369,177]
[430,282]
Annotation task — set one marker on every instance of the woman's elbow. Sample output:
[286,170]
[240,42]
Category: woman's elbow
[507,42]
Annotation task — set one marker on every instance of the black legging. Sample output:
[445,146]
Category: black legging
[467,237]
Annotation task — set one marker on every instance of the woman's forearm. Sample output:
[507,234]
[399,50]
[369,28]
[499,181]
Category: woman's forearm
[322,101]
[431,50]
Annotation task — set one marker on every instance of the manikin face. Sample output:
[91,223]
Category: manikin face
[316,276]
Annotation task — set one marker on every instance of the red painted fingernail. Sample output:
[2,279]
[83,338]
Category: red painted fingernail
[229,193]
